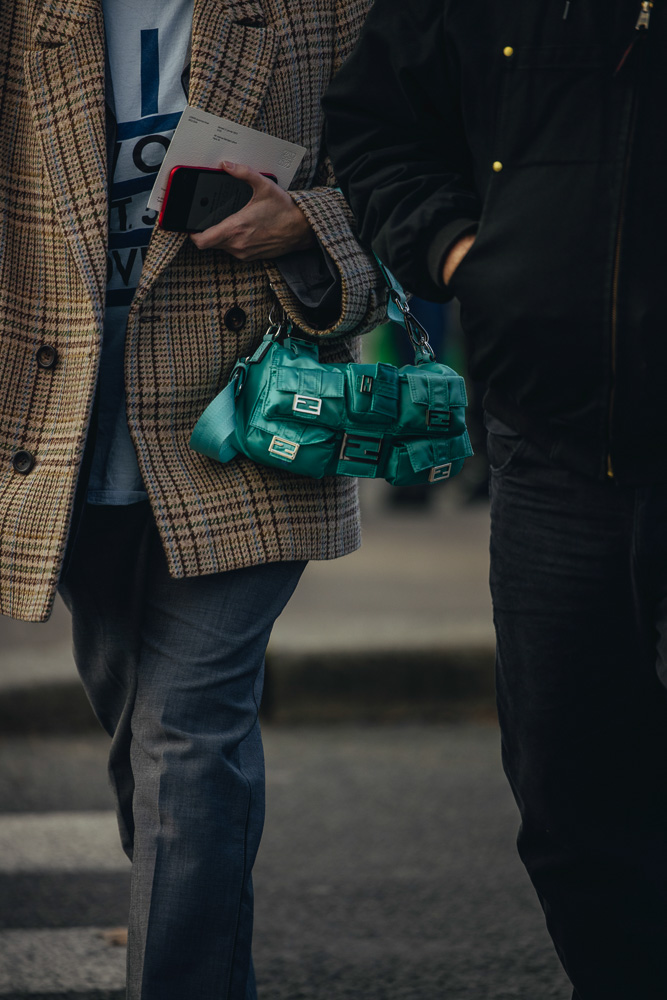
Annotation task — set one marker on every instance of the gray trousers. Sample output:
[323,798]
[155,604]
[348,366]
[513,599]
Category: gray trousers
[174,672]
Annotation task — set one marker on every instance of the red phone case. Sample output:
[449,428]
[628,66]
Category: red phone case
[193,167]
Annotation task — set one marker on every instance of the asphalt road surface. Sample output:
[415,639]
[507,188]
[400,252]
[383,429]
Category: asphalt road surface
[387,871]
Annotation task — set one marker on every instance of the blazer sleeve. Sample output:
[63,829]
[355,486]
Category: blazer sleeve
[363,292]
[396,137]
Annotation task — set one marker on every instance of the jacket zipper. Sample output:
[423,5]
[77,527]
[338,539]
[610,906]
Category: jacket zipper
[615,276]
[642,25]
[644,19]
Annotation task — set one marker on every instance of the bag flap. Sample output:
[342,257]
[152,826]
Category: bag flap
[426,453]
[297,431]
[374,389]
[436,390]
[308,381]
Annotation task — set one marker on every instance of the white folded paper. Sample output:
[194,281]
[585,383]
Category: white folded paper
[205,140]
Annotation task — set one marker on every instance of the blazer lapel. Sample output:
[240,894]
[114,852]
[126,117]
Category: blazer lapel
[65,84]
[233,55]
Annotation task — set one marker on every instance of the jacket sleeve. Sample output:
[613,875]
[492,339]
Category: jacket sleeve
[396,137]
[363,292]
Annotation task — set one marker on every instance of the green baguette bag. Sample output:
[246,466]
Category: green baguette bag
[284,408]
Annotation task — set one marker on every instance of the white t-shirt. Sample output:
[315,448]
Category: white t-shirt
[147,55]
[147,51]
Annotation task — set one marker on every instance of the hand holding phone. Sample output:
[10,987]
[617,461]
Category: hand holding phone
[200,197]
[269,225]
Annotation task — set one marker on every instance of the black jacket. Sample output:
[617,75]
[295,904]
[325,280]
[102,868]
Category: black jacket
[508,115]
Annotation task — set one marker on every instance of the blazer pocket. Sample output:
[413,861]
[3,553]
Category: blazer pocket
[248,13]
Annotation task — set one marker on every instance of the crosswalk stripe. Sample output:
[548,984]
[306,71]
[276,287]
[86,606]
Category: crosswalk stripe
[62,842]
[62,961]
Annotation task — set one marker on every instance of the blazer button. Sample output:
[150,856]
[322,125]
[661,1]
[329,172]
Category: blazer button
[47,356]
[235,318]
[23,462]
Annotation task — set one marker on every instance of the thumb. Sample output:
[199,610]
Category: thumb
[244,173]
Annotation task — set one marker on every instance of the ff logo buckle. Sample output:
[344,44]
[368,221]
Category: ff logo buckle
[310,405]
[437,418]
[440,472]
[282,448]
[354,449]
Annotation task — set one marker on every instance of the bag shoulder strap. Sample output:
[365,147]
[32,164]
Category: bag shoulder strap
[398,311]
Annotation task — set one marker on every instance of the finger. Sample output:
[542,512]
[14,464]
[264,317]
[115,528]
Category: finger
[222,232]
[199,241]
[245,173]
[218,236]
[236,246]
[215,236]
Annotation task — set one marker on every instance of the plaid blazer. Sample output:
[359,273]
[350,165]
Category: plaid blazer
[264,63]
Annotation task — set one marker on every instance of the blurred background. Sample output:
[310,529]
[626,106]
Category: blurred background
[388,868]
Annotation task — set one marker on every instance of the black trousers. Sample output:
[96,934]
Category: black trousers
[579,586]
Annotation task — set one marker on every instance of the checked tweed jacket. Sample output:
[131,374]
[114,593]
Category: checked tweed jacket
[265,64]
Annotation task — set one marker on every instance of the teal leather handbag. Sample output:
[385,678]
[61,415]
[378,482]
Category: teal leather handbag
[284,408]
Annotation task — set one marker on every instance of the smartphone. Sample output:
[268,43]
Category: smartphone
[199,197]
